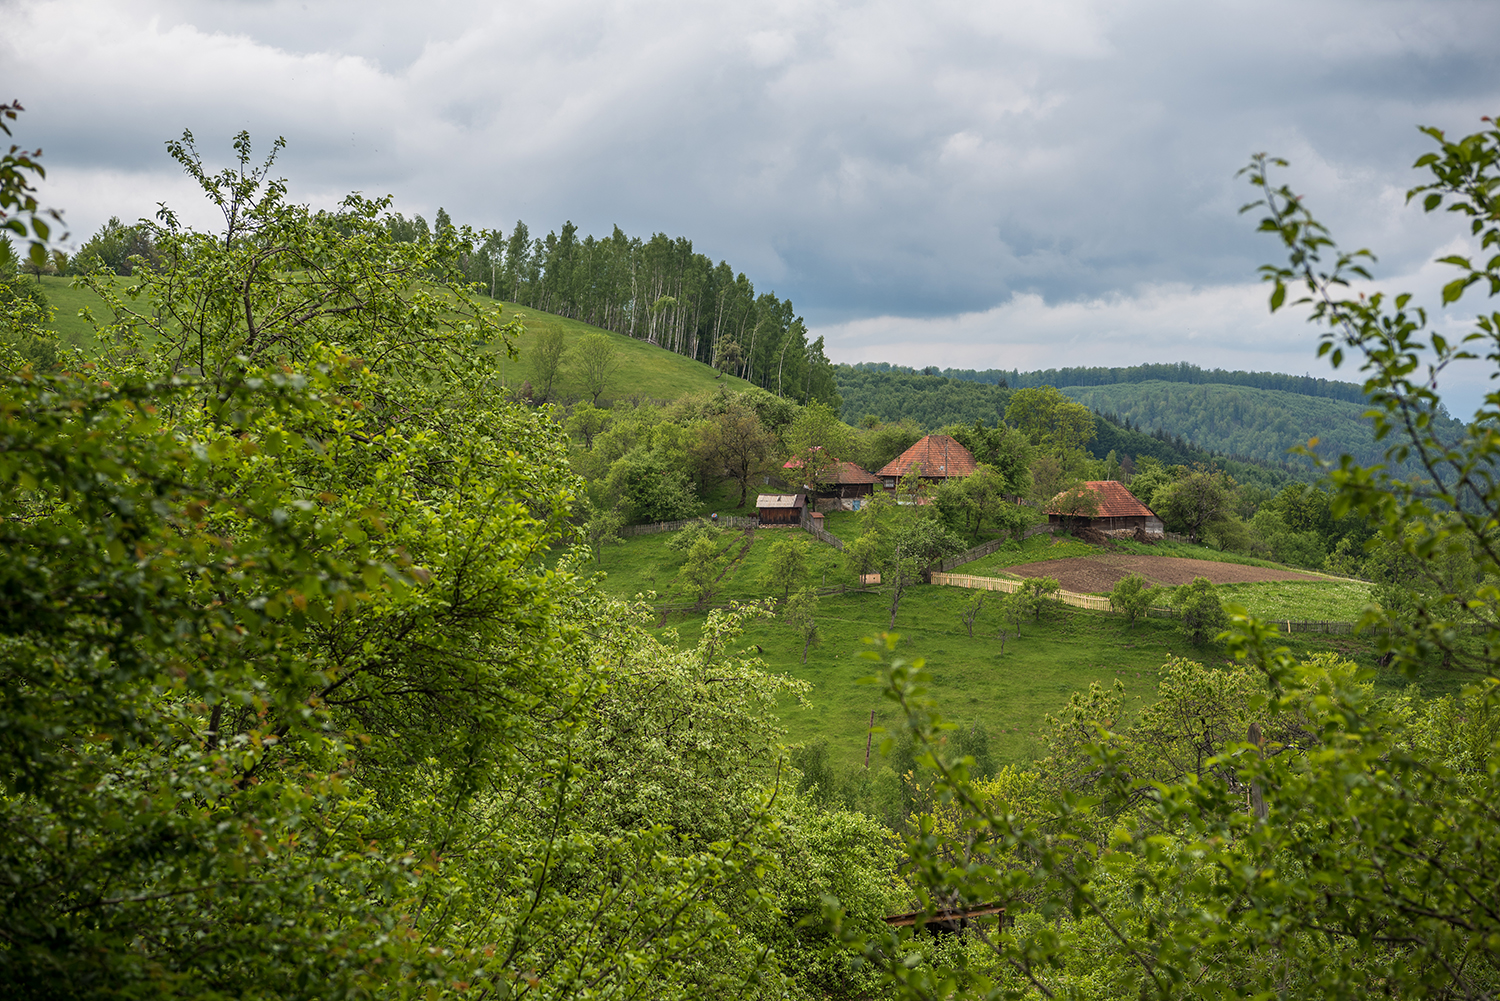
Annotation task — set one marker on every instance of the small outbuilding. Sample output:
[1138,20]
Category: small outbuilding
[780,509]
[1119,512]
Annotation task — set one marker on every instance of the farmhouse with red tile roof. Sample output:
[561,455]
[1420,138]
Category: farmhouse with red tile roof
[1120,513]
[935,458]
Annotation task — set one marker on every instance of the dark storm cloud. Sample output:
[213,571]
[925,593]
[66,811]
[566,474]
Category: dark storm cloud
[1059,167]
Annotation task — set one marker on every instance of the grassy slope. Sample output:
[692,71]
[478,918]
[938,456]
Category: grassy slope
[1009,693]
[645,370]
[67,301]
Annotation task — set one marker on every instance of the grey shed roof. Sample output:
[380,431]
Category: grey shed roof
[780,500]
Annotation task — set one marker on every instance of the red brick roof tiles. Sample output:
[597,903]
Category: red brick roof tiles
[1114,501]
[938,455]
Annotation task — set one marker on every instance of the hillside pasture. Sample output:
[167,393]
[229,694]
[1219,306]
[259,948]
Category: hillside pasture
[1006,687]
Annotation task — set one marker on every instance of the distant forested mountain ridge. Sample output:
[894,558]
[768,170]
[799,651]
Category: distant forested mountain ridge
[1179,421]
[929,400]
[1182,371]
[1259,424]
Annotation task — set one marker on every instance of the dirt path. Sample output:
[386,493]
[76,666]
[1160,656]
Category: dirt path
[1098,574]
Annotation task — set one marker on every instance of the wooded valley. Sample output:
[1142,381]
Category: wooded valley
[321,674]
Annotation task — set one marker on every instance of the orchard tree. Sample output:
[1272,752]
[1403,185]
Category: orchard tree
[735,443]
[801,613]
[786,566]
[973,501]
[597,361]
[1131,597]
[1202,614]
[1003,449]
[1194,503]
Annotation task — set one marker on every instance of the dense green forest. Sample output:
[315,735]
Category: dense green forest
[1305,385]
[1258,424]
[309,689]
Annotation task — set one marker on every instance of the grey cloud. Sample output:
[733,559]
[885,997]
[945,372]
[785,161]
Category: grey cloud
[873,159]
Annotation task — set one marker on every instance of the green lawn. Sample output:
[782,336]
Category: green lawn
[645,370]
[67,302]
[1192,551]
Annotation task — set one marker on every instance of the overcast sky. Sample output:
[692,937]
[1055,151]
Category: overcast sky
[969,184]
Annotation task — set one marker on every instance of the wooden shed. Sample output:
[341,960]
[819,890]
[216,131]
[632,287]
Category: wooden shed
[780,509]
[1120,513]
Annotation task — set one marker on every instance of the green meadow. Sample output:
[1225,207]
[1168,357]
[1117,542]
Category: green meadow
[1008,688]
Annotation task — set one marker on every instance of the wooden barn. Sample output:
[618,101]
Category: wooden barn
[934,459]
[1119,512]
[780,509]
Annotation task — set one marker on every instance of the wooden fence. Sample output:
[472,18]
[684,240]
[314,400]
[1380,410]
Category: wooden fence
[1090,601]
[725,521]
[1100,603]
[823,536]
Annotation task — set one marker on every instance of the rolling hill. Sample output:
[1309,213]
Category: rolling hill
[645,370]
[1256,424]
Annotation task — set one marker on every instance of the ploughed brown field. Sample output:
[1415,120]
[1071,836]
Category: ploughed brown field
[1099,574]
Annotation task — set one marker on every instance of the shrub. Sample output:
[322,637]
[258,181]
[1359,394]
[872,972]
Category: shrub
[1203,616]
[1131,597]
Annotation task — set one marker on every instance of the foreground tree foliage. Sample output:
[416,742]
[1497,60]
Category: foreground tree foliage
[1271,829]
[293,705]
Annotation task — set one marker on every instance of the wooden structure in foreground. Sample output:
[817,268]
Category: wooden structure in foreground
[949,921]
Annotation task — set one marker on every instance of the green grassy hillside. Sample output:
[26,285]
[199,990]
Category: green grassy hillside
[645,370]
[1006,690]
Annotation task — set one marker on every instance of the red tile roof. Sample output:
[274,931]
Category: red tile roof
[938,455]
[1114,501]
[848,472]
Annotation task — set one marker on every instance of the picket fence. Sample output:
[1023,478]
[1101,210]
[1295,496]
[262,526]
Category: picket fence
[1089,601]
[1099,603]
